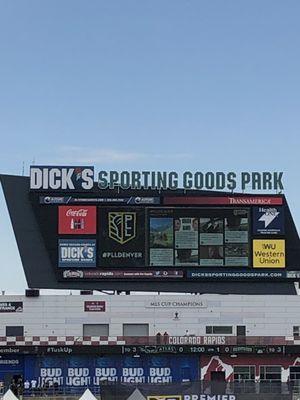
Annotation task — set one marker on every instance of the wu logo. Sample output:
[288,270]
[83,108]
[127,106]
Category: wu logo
[122,226]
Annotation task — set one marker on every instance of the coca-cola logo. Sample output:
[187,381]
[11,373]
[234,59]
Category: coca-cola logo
[77,213]
[75,220]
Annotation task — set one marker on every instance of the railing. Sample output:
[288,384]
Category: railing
[115,390]
[147,340]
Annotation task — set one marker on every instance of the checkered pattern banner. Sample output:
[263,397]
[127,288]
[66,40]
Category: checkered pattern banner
[60,341]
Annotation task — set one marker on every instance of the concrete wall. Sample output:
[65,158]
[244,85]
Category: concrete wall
[62,315]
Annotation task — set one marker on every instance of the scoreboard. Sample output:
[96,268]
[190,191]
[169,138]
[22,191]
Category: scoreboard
[172,240]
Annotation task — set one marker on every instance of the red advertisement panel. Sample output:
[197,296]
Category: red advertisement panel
[76,220]
[227,364]
[229,200]
[94,306]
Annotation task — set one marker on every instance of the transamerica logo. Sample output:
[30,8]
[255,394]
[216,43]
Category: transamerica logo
[122,226]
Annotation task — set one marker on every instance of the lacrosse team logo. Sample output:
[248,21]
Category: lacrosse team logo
[122,226]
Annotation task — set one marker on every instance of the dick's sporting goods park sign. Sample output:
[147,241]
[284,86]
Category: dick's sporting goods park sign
[82,179]
[145,230]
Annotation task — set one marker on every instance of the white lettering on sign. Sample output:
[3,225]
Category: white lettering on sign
[61,178]
[159,375]
[77,213]
[51,372]
[176,304]
[196,340]
[133,375]
[105,374]
[77,252]
[78,377]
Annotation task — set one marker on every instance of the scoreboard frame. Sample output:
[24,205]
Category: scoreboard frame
[26,209]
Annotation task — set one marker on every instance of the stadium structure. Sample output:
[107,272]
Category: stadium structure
[231,331]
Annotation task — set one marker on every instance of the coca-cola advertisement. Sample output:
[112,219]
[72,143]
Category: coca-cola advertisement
[77,220]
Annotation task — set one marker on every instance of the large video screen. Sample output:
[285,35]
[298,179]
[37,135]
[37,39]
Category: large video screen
[128,238]
[146,239]
[207,237]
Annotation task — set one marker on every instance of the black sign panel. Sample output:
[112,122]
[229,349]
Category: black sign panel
[121,237]
[60,350]
[202,349]
[11,306]
[133,200]
[187,390]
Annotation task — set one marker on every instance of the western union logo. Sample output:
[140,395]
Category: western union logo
[269,253]
[122,226]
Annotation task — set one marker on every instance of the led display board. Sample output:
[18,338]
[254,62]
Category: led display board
[172,240]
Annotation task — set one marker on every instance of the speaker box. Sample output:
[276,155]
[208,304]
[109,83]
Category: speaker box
[86,292]
[32,292]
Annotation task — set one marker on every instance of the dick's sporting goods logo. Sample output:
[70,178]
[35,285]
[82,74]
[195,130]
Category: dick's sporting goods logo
[122,226]
[61,178]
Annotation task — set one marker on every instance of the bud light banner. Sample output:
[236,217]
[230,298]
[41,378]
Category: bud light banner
[268,220]
[77,220]
[75,371]
[77,253]
[122,237]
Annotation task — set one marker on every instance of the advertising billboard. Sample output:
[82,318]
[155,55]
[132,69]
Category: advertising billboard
[94,306]
[76,253]
[77,220]
[92,370]
[268,220]
[172,240]
[268,253]
[11,306]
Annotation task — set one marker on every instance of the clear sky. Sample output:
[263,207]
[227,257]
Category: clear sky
[167,85]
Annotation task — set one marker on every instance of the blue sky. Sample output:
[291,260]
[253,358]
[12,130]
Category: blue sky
[165,85]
